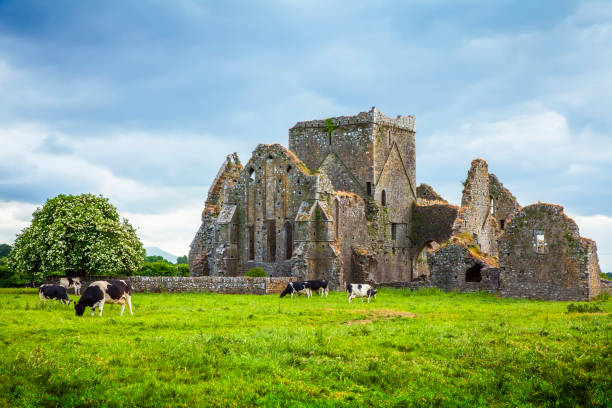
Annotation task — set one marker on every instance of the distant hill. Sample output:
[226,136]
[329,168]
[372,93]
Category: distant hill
[151,251]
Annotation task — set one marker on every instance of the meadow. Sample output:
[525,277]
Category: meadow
[423,348]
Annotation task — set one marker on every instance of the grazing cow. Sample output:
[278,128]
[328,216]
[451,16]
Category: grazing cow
[361,290]
[318,285]
[71,283]
[100,292]
[56,292]
[300,288]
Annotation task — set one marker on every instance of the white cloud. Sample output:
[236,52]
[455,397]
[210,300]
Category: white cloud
[14,216]
[598,228]
[170,230]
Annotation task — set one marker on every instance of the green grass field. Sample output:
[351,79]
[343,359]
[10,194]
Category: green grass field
[424,348]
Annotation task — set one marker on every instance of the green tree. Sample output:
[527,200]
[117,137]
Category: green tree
[154,258]
[5,250]
[80,235]
[182,260]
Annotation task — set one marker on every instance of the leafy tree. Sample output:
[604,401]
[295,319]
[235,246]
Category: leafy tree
[182,260]
[5,250]
[182,269]
[155,258]
[79,235]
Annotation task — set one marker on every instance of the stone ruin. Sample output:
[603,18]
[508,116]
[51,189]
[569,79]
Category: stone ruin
[342,204]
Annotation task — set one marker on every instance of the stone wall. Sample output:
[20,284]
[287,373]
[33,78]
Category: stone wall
[217,284]
[426,193]
[542,256]
[453,267]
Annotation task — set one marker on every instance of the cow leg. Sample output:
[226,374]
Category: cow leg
[129,300]
[349,298]
[41,296]
[93,311]
[122,308]
[101,307]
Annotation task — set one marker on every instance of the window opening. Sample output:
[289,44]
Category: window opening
[251,243]
[394,231]
[502,223]
[492,206]
[540,242]
[271,227]
[337,219]
[369,188]
[288,240]
[383,198]
[251,174]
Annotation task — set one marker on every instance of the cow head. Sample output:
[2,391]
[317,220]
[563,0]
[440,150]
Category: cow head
[79,309]
[287,290]
[372,293]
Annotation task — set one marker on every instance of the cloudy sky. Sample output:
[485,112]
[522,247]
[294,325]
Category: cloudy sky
[141,101]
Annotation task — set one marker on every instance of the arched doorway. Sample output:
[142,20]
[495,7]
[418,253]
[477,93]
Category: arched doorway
[420,268]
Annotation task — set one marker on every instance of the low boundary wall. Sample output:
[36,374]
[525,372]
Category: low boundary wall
[217,284]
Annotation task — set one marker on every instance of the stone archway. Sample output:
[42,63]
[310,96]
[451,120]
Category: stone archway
[420,268]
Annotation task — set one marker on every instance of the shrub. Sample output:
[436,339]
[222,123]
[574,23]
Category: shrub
[583,308]
[256,272]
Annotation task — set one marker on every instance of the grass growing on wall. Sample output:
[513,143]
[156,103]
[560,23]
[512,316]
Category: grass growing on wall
[423,348]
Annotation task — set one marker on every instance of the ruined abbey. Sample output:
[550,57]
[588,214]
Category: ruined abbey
[341,203]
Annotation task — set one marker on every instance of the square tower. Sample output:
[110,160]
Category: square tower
[368,154]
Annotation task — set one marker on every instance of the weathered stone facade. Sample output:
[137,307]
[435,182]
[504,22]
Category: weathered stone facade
[342,204]
[543,256]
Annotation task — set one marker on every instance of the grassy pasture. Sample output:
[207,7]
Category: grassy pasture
[424,348]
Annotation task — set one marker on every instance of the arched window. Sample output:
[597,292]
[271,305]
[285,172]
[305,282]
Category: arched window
[337,219]
[251,174]
[383,198]
[288,240]
[251,243]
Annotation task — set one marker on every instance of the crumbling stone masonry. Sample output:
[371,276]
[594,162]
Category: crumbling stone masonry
[543,256]
[342,204]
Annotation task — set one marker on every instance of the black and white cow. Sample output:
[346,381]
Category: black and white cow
[318,285]
[300,288]
[100,292]
[71,283]
[361,290]
[56,292]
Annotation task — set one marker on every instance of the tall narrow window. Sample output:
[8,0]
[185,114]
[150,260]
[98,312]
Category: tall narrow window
[251,243]
[251,174]
[502,223]
[337,218]
[288,240]
[369,189]
[271,227]
[492,206]
[389,138]
[394,231]
[540,242]
[383,198]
